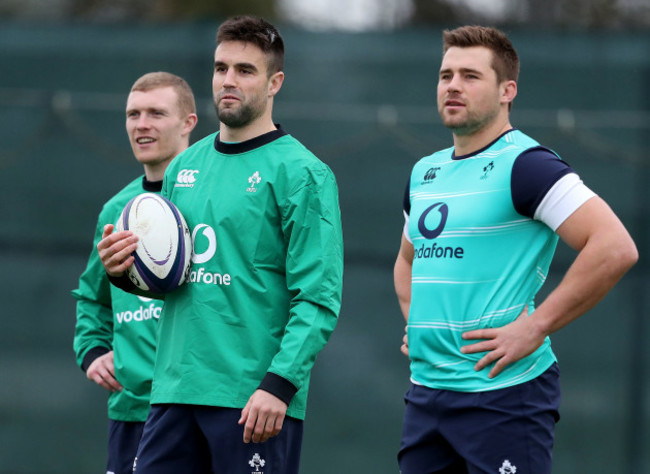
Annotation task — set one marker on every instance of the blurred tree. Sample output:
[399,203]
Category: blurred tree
[577,13]
[546,13]
[168,10]
[107,10]
[200,9]
[437,11]
[593,14]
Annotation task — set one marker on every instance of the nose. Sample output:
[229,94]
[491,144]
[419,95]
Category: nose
[229,79]
[454,83]
[142,122]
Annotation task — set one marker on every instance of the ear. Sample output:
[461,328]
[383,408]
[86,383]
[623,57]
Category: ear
[508,91]
[190,122]
[275,83]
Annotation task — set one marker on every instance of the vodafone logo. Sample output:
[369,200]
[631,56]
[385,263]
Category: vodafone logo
[204,244]
[186,178]
[438,214]
[442,212]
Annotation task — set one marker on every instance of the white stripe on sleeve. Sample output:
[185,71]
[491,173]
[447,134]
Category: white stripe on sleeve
[406,227]
[562,200]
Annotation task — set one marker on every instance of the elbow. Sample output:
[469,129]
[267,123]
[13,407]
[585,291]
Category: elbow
[631,256]
[626,256]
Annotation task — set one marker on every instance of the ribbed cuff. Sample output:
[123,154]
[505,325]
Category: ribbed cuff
[123,282]
[91,355]
[278,386]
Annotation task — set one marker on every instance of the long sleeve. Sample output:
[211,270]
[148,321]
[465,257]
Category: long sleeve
[314,274]
[94,325]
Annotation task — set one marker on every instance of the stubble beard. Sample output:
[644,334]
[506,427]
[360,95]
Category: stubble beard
[470,125]
[238,117]
[469,121]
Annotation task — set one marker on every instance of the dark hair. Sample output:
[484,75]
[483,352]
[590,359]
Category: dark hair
[155,80]
[259,32]
[505,61]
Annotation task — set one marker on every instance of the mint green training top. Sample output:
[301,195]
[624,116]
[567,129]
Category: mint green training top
[478,263]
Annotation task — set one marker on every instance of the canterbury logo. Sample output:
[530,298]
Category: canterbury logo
[431,174]
[186,178]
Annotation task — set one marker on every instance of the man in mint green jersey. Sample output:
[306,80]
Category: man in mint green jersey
[115,338]
[238,340]
[482,221]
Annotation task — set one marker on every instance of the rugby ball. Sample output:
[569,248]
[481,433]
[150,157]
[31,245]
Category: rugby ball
[162,259]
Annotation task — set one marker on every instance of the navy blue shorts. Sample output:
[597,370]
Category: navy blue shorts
[195,439]
[501,431]
[123,440]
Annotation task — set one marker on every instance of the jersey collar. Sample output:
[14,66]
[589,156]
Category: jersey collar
[248,145]
[151,186]
[474,153]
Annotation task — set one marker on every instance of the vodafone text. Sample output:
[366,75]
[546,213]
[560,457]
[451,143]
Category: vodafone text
[142,314]
[201,276]
[433,251]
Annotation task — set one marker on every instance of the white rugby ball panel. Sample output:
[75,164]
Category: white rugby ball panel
[149,219]
[162,258]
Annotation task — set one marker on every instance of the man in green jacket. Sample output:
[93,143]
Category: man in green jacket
[115,339]
[239,339]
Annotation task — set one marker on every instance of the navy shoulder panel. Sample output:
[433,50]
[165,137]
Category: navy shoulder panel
[534,173]
[407,198]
